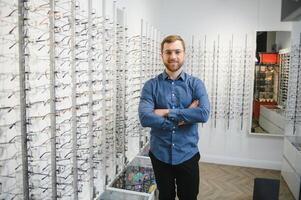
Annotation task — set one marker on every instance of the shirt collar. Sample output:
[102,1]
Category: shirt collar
[182,76]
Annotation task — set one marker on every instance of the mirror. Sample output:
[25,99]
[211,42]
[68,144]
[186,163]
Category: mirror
[270,82]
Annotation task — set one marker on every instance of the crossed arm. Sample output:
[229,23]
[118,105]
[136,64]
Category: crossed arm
[165,112]
[198,110]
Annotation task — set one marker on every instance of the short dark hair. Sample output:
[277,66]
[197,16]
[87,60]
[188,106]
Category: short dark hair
[171,39]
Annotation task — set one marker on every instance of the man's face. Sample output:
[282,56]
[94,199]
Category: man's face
[173,55]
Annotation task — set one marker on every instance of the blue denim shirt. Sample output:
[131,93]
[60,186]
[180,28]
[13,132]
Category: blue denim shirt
[169,142]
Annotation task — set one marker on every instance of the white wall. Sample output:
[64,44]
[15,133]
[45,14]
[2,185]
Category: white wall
[271,37]
[137,10]
[296,29]
[235,147]
[225,17]
[283,40]
[219,16]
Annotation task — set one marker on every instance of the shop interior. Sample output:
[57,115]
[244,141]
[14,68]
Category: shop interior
[71,74]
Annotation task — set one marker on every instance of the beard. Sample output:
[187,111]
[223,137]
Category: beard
[173,66]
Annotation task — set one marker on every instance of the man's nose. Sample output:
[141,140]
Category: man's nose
[173,55]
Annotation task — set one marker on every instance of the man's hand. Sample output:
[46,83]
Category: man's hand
[161,112]
[194,104]
[181,123]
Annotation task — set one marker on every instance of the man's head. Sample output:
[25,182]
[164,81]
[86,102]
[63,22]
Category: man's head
[173,52]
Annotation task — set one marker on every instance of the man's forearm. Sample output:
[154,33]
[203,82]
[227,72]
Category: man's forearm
[190,115]
[165,112]
[193,114]
[161,112]
[150,119]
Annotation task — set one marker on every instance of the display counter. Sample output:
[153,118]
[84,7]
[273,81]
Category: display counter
[291,165]
[120,195]
[272,119]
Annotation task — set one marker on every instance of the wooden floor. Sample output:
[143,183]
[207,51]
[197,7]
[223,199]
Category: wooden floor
[224,182]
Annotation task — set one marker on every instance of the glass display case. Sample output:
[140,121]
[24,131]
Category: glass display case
[265,95]
[266,82]
[136,179]
[117,195]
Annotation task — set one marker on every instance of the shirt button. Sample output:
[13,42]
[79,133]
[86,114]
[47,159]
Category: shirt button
[173,145]
[173,131]
[173,95]
[173,107]
[172,83]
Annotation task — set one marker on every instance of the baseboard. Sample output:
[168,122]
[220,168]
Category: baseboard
[263,164]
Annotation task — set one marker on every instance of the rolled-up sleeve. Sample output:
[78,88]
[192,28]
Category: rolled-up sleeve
[194,115]
[147,116]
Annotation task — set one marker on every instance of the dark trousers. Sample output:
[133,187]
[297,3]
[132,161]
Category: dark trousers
[183,177]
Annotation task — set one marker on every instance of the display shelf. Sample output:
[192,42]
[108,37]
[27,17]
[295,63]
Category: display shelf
[293,103]
[266,78]
[284,74]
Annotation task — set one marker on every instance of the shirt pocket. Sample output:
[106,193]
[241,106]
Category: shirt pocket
[184,96]
[163,98]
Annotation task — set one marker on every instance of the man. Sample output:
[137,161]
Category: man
[172,104]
